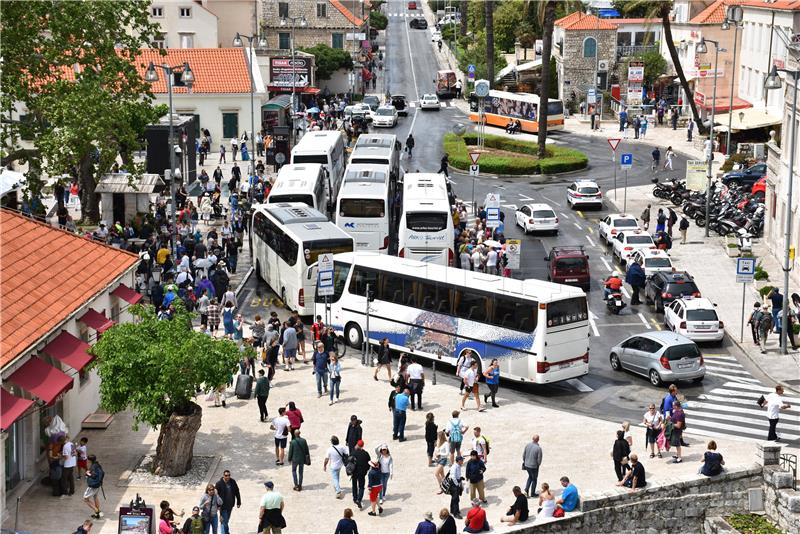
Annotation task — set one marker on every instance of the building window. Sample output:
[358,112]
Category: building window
[185,12]
[230,124]
[157,12]
[187,40]
[284,40]
[322,10]
[590,47]
[337,40]
[283,9]
[160,41]
[773,204]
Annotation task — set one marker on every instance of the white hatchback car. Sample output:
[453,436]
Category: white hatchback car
[694,318]
[385,116]
[584,193]
[537,218]
[610,225]
[626,242]
[652,260]
[429,101]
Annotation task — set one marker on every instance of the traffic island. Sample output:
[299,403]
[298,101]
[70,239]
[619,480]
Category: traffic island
[502,155]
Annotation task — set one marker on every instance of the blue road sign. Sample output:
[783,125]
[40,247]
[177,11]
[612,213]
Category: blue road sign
[745,266]
[626,161]
[471,68]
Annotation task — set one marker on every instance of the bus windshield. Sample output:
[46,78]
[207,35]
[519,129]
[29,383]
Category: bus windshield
[310,158]
[427,221]
[361,207]
[312,249]
[308,200]
[555,108]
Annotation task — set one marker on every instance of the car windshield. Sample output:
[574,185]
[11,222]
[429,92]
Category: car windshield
[543,214]
[686,288]
[429,97]
[701,315]
[640,240]
[658,262]
[385,111]
[588,190]
[677,352]
[626,223]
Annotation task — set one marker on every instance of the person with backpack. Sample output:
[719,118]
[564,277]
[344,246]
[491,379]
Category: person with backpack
[753,320]
[357,467]
[94,482]
[480,444]
[765,325]
[683,227]
[337,457]
[455,434]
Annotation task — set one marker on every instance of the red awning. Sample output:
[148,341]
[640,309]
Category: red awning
[723,104]
[41,380]
[96,320]
[127,294]
[70,350]
[11,408]
[306,90]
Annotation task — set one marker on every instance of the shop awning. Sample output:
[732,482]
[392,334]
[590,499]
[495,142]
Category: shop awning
[723,104]
[41,380]
[278,102]
[746,119]
[11,408]
[299,90]
[70,350]
[127,294]
[96,320]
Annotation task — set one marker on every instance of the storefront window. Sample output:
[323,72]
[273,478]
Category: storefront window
[13,451]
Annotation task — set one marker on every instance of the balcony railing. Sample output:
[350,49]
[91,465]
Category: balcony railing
[628,51]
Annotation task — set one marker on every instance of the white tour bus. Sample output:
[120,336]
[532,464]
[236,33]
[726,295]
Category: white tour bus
[287,239]
[325,147]
[302,182]
[425,232]
[362,209]
[537,330]
[379,149]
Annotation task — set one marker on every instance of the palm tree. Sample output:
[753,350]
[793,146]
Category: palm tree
[490,41]
[463,28]
[549,16]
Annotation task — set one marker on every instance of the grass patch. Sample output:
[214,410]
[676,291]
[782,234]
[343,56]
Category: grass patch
[752,524]
[518,157]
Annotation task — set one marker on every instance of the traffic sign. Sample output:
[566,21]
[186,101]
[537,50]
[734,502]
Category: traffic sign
[745,270]
[474,157]
[626,161]
[325,275]
[474,170]
[471,68]
[513,252]
[492,217]
[591,96]
[614,143]
[493,200]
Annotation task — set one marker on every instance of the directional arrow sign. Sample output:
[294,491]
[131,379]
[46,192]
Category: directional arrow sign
[614,143]
[474,157]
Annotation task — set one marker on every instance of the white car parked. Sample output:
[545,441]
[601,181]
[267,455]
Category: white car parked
[610,225]
[694,318]
[652,260]
[385,116]
[429,101]
[537,218]
[626,242]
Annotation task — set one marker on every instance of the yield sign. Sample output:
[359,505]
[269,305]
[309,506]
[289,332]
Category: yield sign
[614,143]
[474,157]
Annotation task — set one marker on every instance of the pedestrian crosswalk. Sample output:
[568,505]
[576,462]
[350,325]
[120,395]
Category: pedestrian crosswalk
[731,409]
[404,15]
[442,104]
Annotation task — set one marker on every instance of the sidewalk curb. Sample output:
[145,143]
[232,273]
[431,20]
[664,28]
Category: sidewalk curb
[540,179]
[244,280]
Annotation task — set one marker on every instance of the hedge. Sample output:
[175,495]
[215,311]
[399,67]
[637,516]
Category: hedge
[559,159]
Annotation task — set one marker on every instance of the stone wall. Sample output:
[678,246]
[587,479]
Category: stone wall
[319,29]
[579,70]
[781,502]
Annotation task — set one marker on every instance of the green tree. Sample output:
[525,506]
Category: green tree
[71,65]
[654,66]
[508,18]
[490,52]
[636,10]
[328,60]
[476,55]
[378,20]
[548,19]
[154,368]
[553,79]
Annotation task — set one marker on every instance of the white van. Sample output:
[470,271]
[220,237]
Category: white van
[306,183]
[379,149]
[327,148]
[426,224]
[363,206]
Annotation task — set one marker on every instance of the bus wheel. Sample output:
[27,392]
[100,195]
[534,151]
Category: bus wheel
[353,335]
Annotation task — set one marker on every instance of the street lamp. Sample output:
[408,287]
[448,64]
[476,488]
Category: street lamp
[773,81]
[262,43]
[733,18]
[702,48]
[293,21]
[187,77]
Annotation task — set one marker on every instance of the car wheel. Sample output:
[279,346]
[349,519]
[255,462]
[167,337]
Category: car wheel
[615,363]
[353,335]
[698,380]
[734,183]
[555,232]
[655,378]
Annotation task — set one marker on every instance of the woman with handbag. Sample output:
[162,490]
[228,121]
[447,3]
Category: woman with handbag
[209,509]
[300,457]
[654,422]
[335,374]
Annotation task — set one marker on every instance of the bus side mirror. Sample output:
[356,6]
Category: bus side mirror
[370,295]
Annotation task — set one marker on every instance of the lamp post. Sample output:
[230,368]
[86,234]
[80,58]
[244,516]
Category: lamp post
[262,43]
[733,18]
[702,48]
[187,77]
[293,21]
[773,81]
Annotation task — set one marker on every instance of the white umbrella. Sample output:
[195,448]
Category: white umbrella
[492,243]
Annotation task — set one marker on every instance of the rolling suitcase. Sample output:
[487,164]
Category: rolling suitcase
[244,386]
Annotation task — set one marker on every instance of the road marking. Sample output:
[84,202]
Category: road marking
[625,292]
[752,392]
[590,241]
[655,323]
[590,229]
[714,367]
[737,410]
[579,212]
[593,324]
[737,378]
[414,76]
[580,386]
[738,429]
[578,226]
[549,199]
[644,321]
[523,197]
[510,206]
[564,215]
[605,262]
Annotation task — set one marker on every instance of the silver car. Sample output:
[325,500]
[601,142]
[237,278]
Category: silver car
[660,356]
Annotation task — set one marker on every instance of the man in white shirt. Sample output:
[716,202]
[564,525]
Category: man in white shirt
[471,386]
[491,261]
[774,404]
[466,260]
[455,476]
[477,260]
[281,427]
[335,456]
[480,445]
[70,461]
[416,381]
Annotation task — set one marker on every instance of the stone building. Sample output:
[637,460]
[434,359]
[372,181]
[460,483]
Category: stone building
[582,46]
[329,22]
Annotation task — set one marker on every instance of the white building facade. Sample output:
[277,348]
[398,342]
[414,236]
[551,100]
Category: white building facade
[184,24]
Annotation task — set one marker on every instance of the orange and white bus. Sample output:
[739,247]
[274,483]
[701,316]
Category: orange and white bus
[501,107]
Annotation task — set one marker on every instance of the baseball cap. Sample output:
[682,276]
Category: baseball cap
[360,443]
[459,458]
[269,484]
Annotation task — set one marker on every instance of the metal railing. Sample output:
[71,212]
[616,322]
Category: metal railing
[789,463]
[634,50]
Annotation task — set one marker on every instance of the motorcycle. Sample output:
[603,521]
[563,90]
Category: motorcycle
[614,303]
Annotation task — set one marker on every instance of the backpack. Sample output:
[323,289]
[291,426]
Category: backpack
[486,444]
[448,485]
[350,465]
[99,475]
[455,431]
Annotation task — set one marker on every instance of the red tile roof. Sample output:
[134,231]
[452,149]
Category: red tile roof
[216,70]
[45,275]
[617,22]
[348,13]
[782,5]
[715,13]
[582,21]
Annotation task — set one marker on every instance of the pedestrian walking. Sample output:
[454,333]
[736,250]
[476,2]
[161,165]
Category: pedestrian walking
[674,119]
[656,153]
[621,449]
[410,146]
[431,432]
[689,129]
[262,393]
[474,473]
[386,464]
[213,316]
[668,156]
[643,127]
[227,490]
[234,147]
[623,120]
[281,427]
[354,432]
[464,361]
[776,299]
[362,466]
[400,405]
[210,504]
[94,484]
[765,325]
[683,227]
[346,524]
[531,460]
[645,216]
[300,456]
[471,386]
[754,319]
[221,154]
[456,486]
[295,416]
[270,513]
[492,375]
[661,220]
[320,361]
[69,460]
[637,123]
[335,374]
[774,403]
[480,444]
[441,458]
[336,456]
[455,434]
[384,359]
[416,383]
[374,484]
[654,423]
[792,319]
[289,344]
[672,218]
[445,161]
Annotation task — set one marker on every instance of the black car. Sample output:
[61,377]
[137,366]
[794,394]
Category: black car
[746,177]
[664,287]
[373,101]
[400,104]
[418,24]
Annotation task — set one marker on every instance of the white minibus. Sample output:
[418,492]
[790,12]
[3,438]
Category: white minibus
[425,232]
[362,209]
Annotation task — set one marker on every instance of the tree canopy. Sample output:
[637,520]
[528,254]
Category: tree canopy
[69,67]
[654,66]
[328,60]
[155,366]
[378,20]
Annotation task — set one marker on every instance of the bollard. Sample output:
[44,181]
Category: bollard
[434,373]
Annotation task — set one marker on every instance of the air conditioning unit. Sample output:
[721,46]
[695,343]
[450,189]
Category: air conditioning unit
[602,65]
